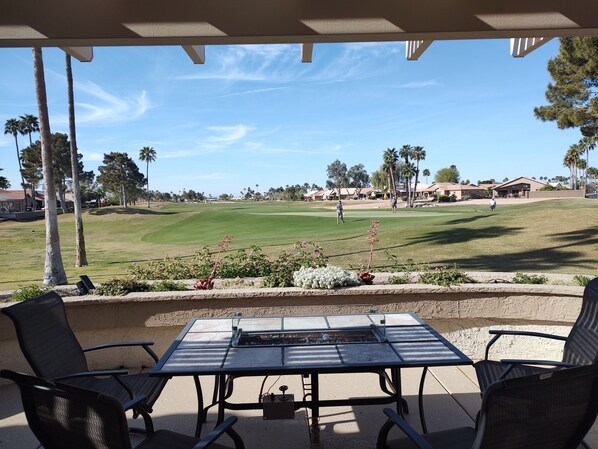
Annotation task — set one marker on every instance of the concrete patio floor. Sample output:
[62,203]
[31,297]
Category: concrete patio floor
[451,400]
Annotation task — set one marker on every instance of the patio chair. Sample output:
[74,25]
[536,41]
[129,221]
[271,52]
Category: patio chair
[581,346]
[67,417]
[552,410]
[53,351]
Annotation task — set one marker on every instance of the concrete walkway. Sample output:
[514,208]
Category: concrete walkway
[451,400]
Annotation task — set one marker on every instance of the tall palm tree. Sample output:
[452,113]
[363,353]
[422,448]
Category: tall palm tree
[81,253]
[426,173]
[390,158]
[418,154]
[29,125]
[13,126]
[570,160]
[405,152]
[54,269]
[147,154]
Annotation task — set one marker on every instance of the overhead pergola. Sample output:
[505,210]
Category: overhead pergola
[79,25]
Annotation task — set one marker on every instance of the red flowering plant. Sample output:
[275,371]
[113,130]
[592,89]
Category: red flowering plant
[208,283]
[365,275]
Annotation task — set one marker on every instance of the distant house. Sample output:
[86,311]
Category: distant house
[518,187]
[460,191]
[17,201]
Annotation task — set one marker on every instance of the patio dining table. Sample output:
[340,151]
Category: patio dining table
[374,342]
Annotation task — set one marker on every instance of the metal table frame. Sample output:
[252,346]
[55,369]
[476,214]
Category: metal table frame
[217,350]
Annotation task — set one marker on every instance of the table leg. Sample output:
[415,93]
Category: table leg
[221,397]
[420,398]
[200,410]
[315,399]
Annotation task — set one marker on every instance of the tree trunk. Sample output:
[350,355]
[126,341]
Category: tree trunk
[415,185]
[80,253]
[21,173]
[147,179]
[54,269]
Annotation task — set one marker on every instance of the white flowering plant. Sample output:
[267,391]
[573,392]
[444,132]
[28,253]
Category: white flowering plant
[325,277]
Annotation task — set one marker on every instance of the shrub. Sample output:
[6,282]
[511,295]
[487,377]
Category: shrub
[119,287]
[522,278]
[252,263]
[582,280]
[168,286]
[305,254]
[28,291]
[400,279]
[445,276]
[325,277]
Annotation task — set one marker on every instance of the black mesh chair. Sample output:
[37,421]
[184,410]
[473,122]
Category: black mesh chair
[581,346]
[66,417]
[552,410]
[51,348]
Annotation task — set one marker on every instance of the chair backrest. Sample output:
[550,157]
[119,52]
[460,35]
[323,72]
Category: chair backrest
[66,417]
[553,410]
[581,347]
[45,337]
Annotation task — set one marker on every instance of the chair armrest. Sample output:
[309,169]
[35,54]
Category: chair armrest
[134,402]
[538,362]
[114,372]
[499,333]
[395,419]
[144,344]
[225,426]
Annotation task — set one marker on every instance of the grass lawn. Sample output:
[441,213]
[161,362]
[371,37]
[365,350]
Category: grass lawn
[558,236]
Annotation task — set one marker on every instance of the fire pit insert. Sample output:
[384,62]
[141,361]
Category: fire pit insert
[307,337]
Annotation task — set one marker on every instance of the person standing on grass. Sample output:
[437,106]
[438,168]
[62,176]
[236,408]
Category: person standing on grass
[492,204]
[339,212]
[393,204]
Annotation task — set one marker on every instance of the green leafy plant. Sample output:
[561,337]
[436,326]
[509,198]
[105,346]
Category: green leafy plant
[400,279]
[28,291]
[245,263]
[582,280]
[119,287]
[325,277]
[522,278]
[444,275]
[168,286]
[304,254]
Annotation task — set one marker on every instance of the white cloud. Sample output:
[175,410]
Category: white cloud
[254,91]
[227,135]
[93,155]
[101,107]
[419,84]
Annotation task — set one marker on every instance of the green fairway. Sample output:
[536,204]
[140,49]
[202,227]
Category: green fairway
[549,236]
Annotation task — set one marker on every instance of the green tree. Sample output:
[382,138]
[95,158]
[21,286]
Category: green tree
[572,96]
[389,163]
[418,154]
[121,176]
[571,161]
[337,176]
[80,251]
[148,155]
[54,273]
[379,179]
[14,126]
[358,178]
[447,174]
[4,183]
[31,158]
[29,125]
[426,173]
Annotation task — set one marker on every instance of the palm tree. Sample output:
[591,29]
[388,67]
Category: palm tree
[54,269]
[405,152]
[147,154]
[81,253]
[570,160]
[390,158]
[13,126]
[418,154]
[29,125]
[426,173]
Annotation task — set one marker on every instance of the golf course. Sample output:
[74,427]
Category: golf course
[553,236]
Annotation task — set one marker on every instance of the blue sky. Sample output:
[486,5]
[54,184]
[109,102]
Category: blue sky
[257,115]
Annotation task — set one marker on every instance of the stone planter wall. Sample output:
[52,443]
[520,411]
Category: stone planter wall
[462,313]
